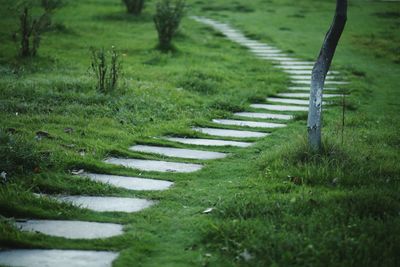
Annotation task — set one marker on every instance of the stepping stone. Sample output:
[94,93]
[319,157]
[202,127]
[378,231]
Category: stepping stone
[297,67]
[72,229]
[250,123]
[308,77]
[179,152]
[208,142]
[58,258]
[130,183]
[107,204]
[155,165]
[264,115]
[269,54]
[305,95]
[305,72]
[265,51]
[280,59]
[288,101]
[305,63]
[230,133]
[279,107]
[307,88]
[326,82]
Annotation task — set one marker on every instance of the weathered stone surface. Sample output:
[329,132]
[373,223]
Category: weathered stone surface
[307,72]
[307,88]
[280,59]
[288,101]
[208,142]
[279,107]
[56,258]
[230,133]
[179,152]
[264,115]
[326,82]
[250,123]
[298,63]
[131,183]
[306,95]
[297,67]
[71,229]
[155,165]
[308,77]
[107,204]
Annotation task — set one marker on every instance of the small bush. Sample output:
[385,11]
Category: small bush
[31,28]
[17,156]
[134,7]
[167,19]
[106,73]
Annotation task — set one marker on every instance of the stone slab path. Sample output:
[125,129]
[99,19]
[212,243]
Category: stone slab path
[295,99]
[71,229]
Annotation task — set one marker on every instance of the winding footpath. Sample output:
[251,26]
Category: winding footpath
[281,108]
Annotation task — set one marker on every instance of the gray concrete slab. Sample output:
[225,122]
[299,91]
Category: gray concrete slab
[307,88]
[279,59]
[297,67]
[306,95]
[264,115]
[308,77]
[155,165]
[308,72]
[298,63]
[249,123]
[230,133]
[288,101]
[178,152]
[279,107]
[71,229]
[208,142]
[326,82]
[130,183]
[107,204]
[56,258]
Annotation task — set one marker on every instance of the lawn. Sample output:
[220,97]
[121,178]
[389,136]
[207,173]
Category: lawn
[275,203]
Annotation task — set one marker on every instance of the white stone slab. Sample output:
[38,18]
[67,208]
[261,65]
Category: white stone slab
[131,183]
[300,63]
[326,82]
[230,133]
[56,258]
[279,107]
[178,152]
[307,72]
[208,142]
[107,204]
[269,54]
[297,67]
[250,123]
[72,229]
[264,115]
[305,95]
[308,77]
[307,88]
[280,59]
[266,51]
[155,165]
[288,101]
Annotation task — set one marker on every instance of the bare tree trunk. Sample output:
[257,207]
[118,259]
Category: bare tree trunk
[319,72]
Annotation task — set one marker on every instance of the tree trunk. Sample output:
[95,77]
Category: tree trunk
[319,72]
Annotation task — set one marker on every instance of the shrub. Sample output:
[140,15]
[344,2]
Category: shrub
[167,19]
[106,73]
[17,156]
[134,7]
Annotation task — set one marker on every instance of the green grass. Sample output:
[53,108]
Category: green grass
[276,202]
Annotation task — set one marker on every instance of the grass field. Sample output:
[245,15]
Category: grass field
[275,203]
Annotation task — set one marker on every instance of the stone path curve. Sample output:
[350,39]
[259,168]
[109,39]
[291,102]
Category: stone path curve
[288,103]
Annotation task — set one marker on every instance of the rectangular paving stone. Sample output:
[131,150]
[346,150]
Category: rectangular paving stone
[155,165]
[264,115]
[297,67]
[208,142]
[308,77]
[288,101]
[308,72]
[306,95]
[130,183]
[56,258]
[107,204]
[307,88]
[326,82]
[250,123]
[71,229]
[279,107]
[230,133]
[178,152]
[300,63]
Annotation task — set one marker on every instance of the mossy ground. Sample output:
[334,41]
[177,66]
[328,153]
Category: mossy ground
[275,201]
